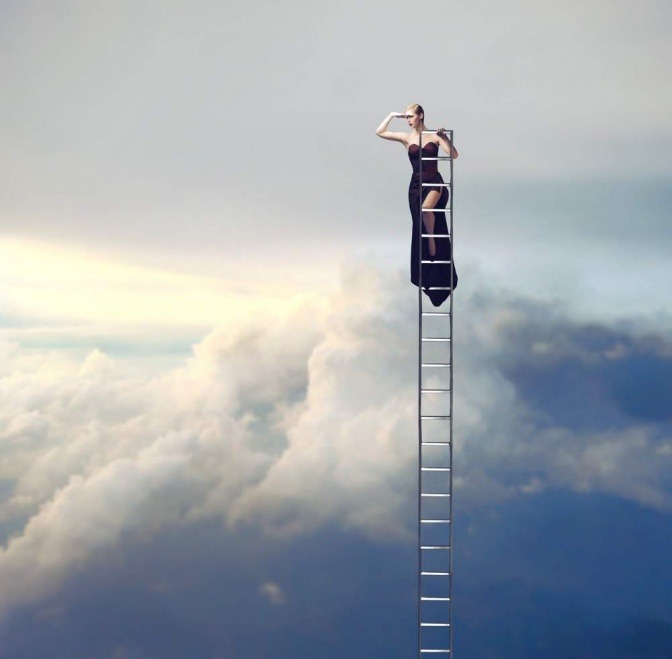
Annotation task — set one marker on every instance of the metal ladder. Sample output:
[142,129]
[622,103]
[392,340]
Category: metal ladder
[435,448]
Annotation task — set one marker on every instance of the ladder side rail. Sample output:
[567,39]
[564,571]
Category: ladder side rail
[420,355]
[450,421]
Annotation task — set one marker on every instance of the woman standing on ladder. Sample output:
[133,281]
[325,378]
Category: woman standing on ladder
[434,223]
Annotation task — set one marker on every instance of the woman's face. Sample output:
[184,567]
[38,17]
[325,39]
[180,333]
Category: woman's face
[414,120]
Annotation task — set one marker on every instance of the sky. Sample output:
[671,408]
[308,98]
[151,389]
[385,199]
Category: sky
[208,333]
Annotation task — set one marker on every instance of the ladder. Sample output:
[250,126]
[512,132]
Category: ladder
[435,447]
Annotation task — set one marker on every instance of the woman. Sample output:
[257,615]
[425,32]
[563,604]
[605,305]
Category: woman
[433,249]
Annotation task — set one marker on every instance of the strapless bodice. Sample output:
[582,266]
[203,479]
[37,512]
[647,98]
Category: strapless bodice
[429,150]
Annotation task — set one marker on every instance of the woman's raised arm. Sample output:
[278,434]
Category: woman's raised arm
[382,131]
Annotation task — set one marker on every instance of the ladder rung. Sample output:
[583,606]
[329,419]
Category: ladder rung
[438,288]
[435,547]
[431,132]
[435,313]
[434,494]
[435,651]
[434,417]
[434,391]
[435,574]
[435,261]
[436,158]
[435,599]
[434,468]
[435,443]
[434,624]
[432,338]
[436,210]
[435,235]
[436,185]
[435,521]
[436,364]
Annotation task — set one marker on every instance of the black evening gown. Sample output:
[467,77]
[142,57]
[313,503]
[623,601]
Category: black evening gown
[433,274]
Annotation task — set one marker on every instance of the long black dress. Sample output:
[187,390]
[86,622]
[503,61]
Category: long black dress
[433,274]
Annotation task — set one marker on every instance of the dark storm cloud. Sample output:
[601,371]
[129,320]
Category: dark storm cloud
[570,404]
[198,593]
[538,577]
[590,377]
[563,575]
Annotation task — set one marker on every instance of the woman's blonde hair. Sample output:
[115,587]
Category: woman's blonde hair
[417,109]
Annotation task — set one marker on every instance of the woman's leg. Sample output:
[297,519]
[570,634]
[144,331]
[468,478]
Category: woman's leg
[430,201]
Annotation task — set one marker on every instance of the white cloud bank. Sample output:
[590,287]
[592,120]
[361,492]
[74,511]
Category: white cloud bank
[287,422]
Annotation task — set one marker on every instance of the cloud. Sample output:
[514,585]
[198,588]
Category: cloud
[590,376]
[353,436]
[529,563]
[95,453]
[195,592]
[556,414]
[273,593]
[308,422]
